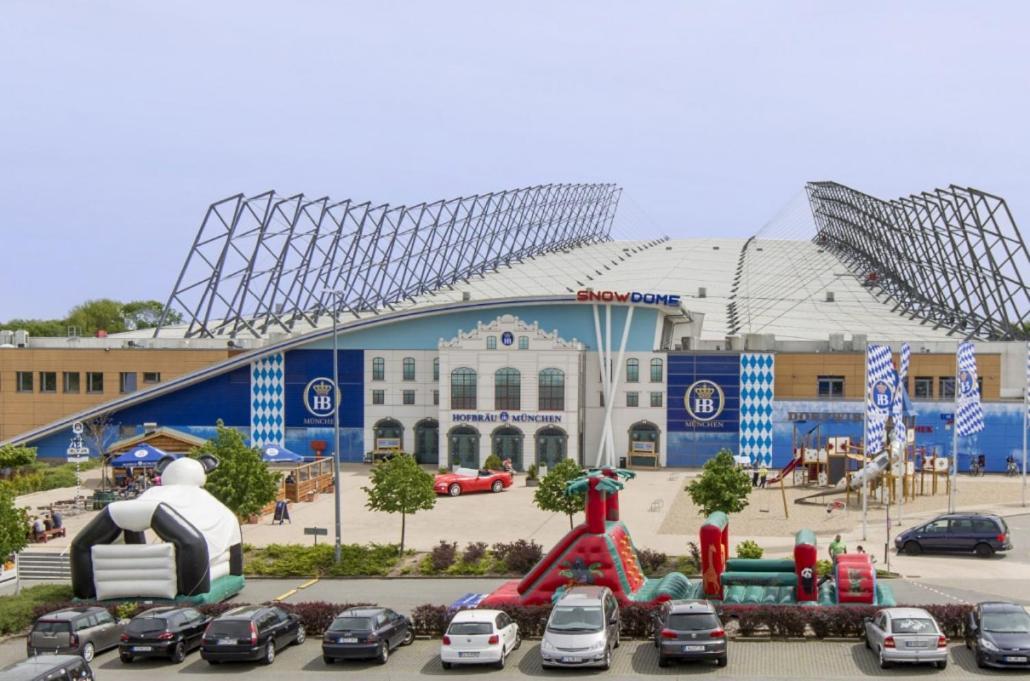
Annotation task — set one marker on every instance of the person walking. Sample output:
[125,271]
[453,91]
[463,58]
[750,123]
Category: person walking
[754,476]
[763,475]
[837,547]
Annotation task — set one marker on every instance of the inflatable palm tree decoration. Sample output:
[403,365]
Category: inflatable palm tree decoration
[602,487]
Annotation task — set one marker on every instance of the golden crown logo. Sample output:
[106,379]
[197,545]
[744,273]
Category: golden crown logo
[322,388]
[705,392]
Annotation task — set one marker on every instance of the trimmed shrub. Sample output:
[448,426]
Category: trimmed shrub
[474,553]
[637,620]
[19,611]
[493,463]
[823,567]
[430,620]
[651,561]
[443,555]
[749,549]
[317,615]
[952,618]
[532,619]
[519,556]
[296,560]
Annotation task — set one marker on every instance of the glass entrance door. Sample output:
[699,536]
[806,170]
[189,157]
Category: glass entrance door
[463,447]
[427,442]
[551,444]
[507,444]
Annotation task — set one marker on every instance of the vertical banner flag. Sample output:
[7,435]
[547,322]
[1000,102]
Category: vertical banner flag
[900,405]
[881,382]
[969,416]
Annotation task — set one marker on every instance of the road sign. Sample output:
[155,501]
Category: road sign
[77,451]
[316,532]
[78,459]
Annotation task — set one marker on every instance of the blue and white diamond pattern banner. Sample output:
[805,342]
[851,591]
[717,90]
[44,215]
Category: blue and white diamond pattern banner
[969,416]
[757,373]
[267,417]
[881,383]
[900,393]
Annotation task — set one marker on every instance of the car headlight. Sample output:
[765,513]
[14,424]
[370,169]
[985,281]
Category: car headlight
[598,645]
[546,645]
[986,644]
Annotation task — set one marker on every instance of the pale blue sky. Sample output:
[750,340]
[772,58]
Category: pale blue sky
[121,121]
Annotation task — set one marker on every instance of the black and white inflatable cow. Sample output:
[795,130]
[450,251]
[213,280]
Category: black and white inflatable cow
[200,539]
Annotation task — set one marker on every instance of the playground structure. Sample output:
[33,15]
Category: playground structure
[600,552]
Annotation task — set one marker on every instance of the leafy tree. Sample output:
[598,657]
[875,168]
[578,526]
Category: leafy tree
[13,525]
[98,433]
[550,493]
[145,314]
[721,487]
[94,315]
[41,328]
[13,456]
[400,486]
[242,481]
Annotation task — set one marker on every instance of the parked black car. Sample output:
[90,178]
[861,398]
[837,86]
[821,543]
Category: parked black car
[49,668]
[999,635]
[689,630]
[957,533]
[366,633]
[169,632]
[250,633]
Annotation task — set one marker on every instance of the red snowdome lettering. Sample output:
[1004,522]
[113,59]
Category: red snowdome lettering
[668,299]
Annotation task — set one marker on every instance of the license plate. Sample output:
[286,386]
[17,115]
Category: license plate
[226,641]
[915,644]
[348,640]
[142,649]
[570,660]
[693,649]
[468,654]
[1019,658]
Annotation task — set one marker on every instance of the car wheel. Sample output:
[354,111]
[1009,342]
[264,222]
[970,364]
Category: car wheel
[518,641]
[720,661]
[984,550]
[89,651]
[913,548]
[446,665]
[301,635]
[618,636]
[328,660]
[943,664]
[126,659]
[384,653]
[980,661]
[607,664]
[179,652]
[884,662]
[497,486]
[663,661]
[409,638]
[500,663]
[454,490]
[269,657]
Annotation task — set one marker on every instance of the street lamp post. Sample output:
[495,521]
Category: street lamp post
[336,426]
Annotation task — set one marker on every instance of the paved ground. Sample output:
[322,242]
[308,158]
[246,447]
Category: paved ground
[748,660]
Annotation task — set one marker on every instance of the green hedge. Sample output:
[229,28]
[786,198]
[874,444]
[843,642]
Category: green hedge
[293,560]
[16,612]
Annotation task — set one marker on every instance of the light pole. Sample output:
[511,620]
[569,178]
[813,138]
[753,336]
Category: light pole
[337,550]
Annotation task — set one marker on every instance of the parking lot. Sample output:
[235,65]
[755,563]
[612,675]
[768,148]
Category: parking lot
[748,659]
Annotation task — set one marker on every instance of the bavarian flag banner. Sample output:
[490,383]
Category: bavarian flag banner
[969,415]
[899,409]
[881,384]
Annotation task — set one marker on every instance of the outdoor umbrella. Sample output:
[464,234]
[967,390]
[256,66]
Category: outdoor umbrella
[143,456]
[277,454]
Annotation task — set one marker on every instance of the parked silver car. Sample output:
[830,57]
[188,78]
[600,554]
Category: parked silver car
[906,635]
[74,631]
[583,629]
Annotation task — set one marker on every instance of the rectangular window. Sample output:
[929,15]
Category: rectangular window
[151,376]
[656,399]
[523,342]
[491,342]
[632,370]
[923,387]
[47,381]
[601,394]
[633,399]
[127,382]
[436,369]
[71,381]
[946,387]
[656,370]
[24,380]
[378,397]
[831,386]
[94,382]
[408,373]
[378,369]
[436,398]
[408,396]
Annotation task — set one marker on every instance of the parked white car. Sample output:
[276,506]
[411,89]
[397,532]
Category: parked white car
[479,637]
[906,635]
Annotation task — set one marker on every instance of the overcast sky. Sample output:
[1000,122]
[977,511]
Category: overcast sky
[121,122]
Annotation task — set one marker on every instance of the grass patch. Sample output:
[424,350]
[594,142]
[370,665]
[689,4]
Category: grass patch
[293,560]
[16,611]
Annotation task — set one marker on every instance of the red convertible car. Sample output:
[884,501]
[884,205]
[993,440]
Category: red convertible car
[471,480]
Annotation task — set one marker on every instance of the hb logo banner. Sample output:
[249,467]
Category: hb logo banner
[703,393]
[309,396]
[704,400]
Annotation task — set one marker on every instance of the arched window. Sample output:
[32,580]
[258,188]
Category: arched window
[378,369]
[436,369]
[632,370]
[463,388]
[408,369]
[507,389]
[656,370]
[552,390]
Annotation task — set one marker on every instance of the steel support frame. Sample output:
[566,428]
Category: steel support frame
[951,257]
[266,264]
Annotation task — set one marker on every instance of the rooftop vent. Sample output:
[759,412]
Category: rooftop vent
[702,292]
[829,296]
[466,296]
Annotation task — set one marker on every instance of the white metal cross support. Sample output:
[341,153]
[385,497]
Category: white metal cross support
[606,447]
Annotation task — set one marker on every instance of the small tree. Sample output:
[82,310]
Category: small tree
[13,524]
[13,456]
[242,481]
[98,432]
[721,487]
[550,493]
[400,486]
[493,463]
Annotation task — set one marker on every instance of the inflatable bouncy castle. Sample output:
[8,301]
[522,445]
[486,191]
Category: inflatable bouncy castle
[195,552]
[598,552]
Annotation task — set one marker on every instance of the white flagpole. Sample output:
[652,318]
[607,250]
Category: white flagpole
[954,440]
[1026,416]
[865,450]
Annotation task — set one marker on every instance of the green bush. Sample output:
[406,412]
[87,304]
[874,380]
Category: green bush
[823,567]
[749,549]
[16,611]
[493,463]
[294,560]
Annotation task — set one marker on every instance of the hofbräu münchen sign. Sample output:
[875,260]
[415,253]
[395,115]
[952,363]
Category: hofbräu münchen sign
[503,417]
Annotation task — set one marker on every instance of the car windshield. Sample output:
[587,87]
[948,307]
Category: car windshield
[351,624]
[1006,622]
[912,625]
[576,618]
[51,627]
[142,625]
[470,628]
[692,621]
[230,628]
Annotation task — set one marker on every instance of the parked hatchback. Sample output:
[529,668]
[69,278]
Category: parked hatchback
[906,635]
[366,633]
[49,668]
[167,632]
[479,637]
[957,533]
[582,630]
[250,633]
[689,630]
[82,631]
[999,635]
